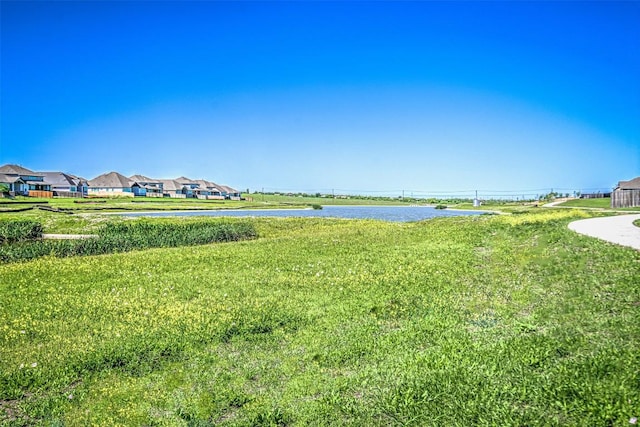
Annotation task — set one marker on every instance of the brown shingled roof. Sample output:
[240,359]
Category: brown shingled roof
[17,170]
[111,179]
[633,184]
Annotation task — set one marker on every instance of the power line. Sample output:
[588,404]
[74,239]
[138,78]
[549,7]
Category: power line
[436,193]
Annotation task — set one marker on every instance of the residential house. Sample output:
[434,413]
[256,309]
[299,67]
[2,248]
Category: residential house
[626,194]
[23,181]
[14,184]
[200,192]
[213,190]
[172,188]
[230,193]
[66,185]
[145,186]
[30,183]
[190,184]
[111,184]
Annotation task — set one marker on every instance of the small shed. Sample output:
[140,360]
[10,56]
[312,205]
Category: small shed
[626,194]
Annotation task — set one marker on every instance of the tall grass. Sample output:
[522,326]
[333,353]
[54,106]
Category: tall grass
[19,231]
[124,237]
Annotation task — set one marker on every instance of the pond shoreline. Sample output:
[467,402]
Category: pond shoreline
[383,212]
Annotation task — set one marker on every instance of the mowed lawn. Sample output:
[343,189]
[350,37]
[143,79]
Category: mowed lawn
[487,320]
[603,203]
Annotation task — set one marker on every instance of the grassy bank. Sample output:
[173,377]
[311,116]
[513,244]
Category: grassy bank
[121,204]
[502,320]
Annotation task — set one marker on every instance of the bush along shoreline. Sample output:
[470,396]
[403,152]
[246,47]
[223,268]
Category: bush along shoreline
[22,240]
[19,231]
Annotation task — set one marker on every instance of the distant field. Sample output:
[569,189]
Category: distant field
[130,203]
[485,320]
[604,203]
[343,200]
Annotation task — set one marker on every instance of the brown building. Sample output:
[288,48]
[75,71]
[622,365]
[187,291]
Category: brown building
[626,194]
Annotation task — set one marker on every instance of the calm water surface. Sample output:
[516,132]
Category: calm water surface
[386,213]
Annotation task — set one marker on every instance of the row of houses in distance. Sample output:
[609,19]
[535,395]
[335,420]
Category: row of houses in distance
[22,181]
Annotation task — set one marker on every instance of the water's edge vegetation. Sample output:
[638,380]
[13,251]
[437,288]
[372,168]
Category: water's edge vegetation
[22,240]
[504,320]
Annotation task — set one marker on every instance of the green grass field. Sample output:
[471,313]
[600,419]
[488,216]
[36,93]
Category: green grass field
[603,203]
[487,320]
[328,200]
[130,203]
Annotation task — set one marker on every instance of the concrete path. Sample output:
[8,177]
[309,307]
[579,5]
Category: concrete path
[556,203]
[68,236]
[615,229]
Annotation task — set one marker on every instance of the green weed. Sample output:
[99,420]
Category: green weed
[486,320]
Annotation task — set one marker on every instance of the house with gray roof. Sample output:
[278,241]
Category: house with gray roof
[111,184]
[14,184]
[190,184]
[213,190]
[204,189]
[145,186]
[626,194]
[28,182]
[174,189]
[230,193]
[66,185]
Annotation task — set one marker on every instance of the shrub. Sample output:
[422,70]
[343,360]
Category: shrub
[126,237]
[441,206]
[19,231]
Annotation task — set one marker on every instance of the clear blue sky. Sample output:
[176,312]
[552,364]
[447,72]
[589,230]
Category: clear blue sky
[314,96]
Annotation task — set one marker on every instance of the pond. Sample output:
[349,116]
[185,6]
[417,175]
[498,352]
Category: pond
[386,213]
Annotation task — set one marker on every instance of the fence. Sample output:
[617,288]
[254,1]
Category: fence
[625,198]
[41,193]
[73,194]
[595,195]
